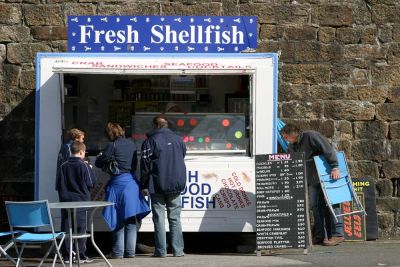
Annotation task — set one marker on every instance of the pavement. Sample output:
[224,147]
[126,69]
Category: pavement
[371,253]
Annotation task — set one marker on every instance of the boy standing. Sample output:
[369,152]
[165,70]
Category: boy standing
[75,178]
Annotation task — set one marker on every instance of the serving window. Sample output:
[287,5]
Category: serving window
[211,113]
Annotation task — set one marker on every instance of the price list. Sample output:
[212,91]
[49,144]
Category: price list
[281,201]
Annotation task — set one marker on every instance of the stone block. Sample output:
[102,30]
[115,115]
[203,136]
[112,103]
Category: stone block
[28,79]
[289,92]
[360,77]
[383,14]
[326,34]
[24,52]
[375,150]
[394,149]
[362,12]
[393,94]
[385,220]
[230,8]
[393,53]
[371,130]
[130,9]
[79,9]
[366,93]
[11,74]
[59,46]
[41,15]
[14,33]
[327,92]
[384,187]
[344,130]
[317,52]
[201,9]
[325,127]
[332,15]
[305,73]
[270,32]
[304,33]
[394,130]
[265,13]
[368,35]
[391,169]
[375,52]
[388,204]
[64,1]
[396,32]
[349,110]
[291,14]
[298,110]
[3,53]
[363,169]
[10,13]
[276,14]
[344,145]
[348,35]
[340,74]
[286,48]
[49,33]
[386,75]
[388,111]
[385,33]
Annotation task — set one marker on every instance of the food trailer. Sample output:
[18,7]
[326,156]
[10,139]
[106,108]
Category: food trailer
[224,106]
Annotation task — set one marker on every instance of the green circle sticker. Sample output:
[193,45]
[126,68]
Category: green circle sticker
[238,134]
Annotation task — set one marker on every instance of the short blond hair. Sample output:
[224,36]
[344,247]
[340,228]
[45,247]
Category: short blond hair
[75,133]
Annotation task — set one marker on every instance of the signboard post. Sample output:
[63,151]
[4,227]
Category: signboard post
[281,201]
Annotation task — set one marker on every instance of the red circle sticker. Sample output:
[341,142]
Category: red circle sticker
[228,146]
[193,122]
[180,122]
[226,122]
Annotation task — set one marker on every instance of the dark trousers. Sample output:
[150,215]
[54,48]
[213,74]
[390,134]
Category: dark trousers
[81,229]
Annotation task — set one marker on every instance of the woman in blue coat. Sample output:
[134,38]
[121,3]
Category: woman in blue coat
[123,190]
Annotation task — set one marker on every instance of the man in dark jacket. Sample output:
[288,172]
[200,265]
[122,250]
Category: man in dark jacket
[74,181]
[313,144]
[163,174]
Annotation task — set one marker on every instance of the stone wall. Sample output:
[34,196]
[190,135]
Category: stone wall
[339,74]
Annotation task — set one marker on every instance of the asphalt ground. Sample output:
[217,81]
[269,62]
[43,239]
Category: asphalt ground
[371,253]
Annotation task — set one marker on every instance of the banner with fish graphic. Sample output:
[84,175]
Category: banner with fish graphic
[219,189]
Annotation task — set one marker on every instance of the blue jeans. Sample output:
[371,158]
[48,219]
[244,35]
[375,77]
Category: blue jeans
[124,239]
[173,204]
[324,221]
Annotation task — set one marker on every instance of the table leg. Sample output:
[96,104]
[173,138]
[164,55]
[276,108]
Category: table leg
[78,258]
[92,237]
[70,236]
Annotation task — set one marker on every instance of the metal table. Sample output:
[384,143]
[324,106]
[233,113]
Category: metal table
[71,207]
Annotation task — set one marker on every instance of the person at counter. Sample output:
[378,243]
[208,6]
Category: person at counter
[74,134]
[75,179]
[163,175]
[123,190]
[325,231]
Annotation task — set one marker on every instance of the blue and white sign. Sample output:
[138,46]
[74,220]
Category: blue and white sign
[162,34]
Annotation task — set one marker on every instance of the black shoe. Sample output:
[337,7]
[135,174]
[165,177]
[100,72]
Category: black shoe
[158,256]
[112,256]
[130,256]
[142,248]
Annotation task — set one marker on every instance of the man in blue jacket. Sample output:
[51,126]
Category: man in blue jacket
[163,174]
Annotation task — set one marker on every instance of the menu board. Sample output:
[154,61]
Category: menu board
[281,201]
